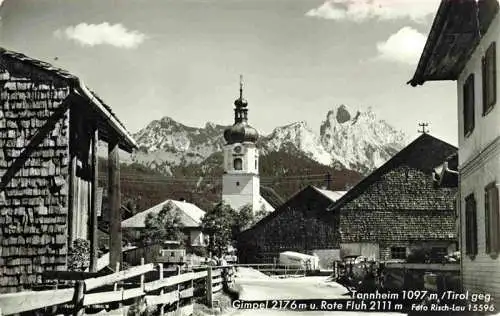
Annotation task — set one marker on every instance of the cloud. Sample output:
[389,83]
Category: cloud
[361,10]
[405,46]
[102,34]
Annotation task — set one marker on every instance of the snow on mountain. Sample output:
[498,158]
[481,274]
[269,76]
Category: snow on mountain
[359,140]
[166,143]
[299,137]
[347,139]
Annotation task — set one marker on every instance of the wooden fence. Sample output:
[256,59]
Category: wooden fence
[277,269]
[122,288]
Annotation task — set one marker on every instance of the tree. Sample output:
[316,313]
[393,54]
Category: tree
[218,223]
[165,225]
[260,214]
[244,219]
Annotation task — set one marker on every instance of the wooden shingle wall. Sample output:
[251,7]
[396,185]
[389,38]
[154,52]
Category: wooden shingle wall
[33,192]
[403,206]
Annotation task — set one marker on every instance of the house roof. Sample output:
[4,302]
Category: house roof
[271,196]
[379,225]
[21,65]
[332,196]
[424,153]
[452,39]
[191,214]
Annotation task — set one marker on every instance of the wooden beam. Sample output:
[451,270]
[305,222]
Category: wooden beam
[14,303]
[72,275]
[158,284]
[94,200]
[164,299]
[93,283]
[112,296]
[72,217]
[115,221]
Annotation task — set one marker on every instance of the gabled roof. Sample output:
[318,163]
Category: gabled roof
[331,196]
[453,38]
[191,214]
[424,153]
[23,66]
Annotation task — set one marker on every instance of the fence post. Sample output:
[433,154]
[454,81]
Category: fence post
[143,276]
[178,288]
[161,291]
[78,300]
[209,287]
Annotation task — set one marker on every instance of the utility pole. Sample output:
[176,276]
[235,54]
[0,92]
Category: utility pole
[328,180]
[424,129]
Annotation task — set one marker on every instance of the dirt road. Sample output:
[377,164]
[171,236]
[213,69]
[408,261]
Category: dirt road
[256,286]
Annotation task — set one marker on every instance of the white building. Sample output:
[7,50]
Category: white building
[240,182]
[190,216]
[461,47]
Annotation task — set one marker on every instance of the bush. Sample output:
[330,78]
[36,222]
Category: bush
[79,255]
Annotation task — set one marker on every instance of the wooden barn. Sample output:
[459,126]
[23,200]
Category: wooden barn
[399,206]
[301,224]
[50,126]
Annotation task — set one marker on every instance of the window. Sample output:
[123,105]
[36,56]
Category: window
[468,103]
[489,79]
[470,226]
[398,252]
[491,220]
[238,164]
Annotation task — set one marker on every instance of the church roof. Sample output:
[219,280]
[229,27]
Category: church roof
[273,198]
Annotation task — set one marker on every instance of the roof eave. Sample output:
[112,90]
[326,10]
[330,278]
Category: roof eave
[127,142]
[436,29]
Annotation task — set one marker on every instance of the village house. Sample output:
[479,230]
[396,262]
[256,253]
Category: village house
[50,126]
[301,224]
[396,208]
[462,47]
[190,216]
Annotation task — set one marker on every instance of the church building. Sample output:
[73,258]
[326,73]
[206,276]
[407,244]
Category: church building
[240,182]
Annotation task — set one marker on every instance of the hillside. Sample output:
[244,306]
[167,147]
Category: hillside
[201,184]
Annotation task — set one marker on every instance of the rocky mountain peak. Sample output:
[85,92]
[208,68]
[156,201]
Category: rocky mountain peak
[355,140]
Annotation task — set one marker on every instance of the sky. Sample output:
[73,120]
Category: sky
[182,58]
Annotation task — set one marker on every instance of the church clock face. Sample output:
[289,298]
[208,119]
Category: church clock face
[237,149]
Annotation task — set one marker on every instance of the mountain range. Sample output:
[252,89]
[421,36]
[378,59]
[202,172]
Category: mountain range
[347,139]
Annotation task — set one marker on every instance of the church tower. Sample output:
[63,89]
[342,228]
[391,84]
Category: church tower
[240,182]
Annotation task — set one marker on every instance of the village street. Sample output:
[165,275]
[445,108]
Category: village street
[257,286]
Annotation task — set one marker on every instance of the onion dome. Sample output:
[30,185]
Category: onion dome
[241,131]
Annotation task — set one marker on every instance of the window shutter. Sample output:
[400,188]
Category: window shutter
[485,83]
[474,227]
[487,220]
[492,75]
[468,104]
[495,220]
